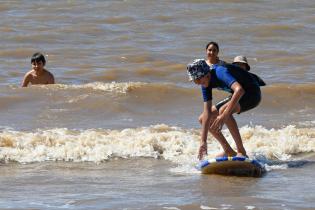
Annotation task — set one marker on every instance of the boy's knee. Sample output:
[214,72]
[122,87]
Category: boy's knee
[200,119]
[221,110]
[212,131]
[214,109]
[214,114]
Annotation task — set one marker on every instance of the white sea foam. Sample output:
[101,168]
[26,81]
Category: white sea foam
[207,207]
[159,141]
[122,87]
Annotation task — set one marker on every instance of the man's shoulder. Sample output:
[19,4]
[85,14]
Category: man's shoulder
[236,70]
[233,66]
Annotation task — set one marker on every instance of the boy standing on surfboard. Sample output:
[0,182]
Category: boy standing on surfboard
[245,95]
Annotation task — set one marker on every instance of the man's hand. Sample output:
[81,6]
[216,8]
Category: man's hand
[202,151]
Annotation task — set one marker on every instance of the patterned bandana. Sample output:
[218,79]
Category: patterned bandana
[197,69]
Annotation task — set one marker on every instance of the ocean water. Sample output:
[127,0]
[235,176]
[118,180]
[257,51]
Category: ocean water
[119,130]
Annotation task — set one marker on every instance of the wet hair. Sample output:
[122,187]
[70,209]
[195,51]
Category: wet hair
[213,43]
[37,57]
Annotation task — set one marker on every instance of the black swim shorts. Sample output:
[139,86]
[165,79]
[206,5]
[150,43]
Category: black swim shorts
[249,100]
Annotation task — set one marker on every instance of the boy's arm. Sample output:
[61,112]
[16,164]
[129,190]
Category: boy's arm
[26,80]
[205,127]
[52,79]
[238,92]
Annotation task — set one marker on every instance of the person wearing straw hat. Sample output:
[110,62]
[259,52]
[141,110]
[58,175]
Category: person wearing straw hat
[246,95]
[241,61]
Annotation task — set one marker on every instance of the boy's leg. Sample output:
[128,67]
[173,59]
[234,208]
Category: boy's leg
[248,101]
[228,151]
[233,128]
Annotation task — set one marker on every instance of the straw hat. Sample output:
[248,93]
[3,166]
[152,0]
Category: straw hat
[242,59]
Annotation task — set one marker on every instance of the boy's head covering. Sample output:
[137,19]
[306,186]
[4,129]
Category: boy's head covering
[197,69]
[242,59]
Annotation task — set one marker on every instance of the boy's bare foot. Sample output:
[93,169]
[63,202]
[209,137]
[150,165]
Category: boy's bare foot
[241,155]
[223,154]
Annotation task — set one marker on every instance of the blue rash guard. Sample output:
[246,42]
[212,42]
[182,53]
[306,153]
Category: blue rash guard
[222,77]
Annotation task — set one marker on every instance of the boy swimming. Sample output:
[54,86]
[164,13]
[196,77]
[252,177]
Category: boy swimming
[38,75]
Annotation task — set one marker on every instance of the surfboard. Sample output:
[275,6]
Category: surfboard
[232,166]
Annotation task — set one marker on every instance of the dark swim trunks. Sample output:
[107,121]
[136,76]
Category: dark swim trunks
[222,102]
[248,101]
